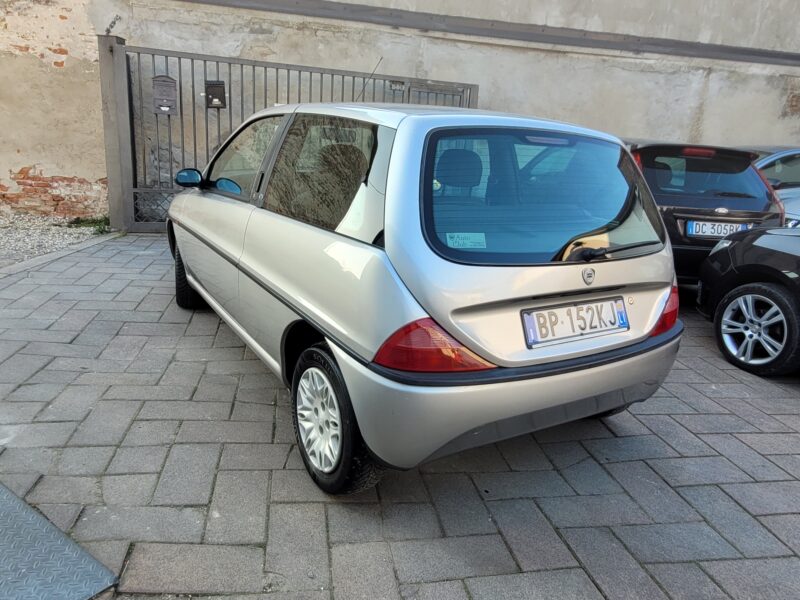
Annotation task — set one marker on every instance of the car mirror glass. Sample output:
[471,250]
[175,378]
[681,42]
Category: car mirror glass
[189,178]
[224,184]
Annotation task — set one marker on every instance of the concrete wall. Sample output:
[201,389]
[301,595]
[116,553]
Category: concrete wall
[50,113]
[769,24]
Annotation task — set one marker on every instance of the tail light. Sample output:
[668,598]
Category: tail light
[774,198]
[669,316]
[423,346]
[638,159]
[699,152]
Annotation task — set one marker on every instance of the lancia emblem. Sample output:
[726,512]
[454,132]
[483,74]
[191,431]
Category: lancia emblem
[588,276]
[721,210]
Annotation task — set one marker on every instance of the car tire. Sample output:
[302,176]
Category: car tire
[775,344]
[185,295]
[319,397]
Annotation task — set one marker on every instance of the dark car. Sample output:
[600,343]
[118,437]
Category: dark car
[704,194]
[750,286]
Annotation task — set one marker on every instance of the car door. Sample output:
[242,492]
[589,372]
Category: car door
[210,221]
[316,239]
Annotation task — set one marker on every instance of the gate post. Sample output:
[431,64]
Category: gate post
[117,130]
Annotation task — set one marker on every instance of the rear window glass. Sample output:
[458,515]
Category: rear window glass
[718,180]
[522,196]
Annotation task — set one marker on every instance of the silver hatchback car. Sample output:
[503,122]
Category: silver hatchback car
[428,280]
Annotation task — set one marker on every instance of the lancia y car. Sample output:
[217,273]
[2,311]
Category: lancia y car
[427,280]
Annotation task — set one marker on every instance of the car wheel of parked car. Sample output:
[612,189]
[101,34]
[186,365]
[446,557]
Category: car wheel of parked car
[325,426]
[185,295]
[757,329]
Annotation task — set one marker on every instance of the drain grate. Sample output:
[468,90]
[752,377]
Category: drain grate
[38,561]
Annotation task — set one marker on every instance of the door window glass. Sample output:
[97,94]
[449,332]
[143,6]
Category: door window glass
[321,168]
[785,170]
[241,159]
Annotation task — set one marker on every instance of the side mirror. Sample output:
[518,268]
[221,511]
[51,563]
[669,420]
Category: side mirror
[188,178]
[224,184]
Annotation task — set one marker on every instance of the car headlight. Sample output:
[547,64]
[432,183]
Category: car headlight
[721,245]
[792,222]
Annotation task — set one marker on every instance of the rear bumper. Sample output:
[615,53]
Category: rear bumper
[405,424]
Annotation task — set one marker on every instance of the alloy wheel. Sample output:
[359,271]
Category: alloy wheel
[754,329]
[318,419]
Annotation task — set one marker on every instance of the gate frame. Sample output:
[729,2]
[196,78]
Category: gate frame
[118,126]
[117,131]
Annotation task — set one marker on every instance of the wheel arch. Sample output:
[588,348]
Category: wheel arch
[171,237]
[298,336]
[755,274]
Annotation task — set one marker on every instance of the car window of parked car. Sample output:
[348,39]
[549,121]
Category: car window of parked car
[786,170]
[521,196]
[712,180]
[322,171]
[241,159]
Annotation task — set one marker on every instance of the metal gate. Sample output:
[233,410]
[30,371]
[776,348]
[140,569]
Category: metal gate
[180,107]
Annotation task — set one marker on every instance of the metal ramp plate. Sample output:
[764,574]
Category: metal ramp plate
[38,561]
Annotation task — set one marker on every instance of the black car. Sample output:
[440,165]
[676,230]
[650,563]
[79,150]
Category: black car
[750,286]
[704,194]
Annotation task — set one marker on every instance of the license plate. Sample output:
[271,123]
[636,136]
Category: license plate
[573,320]
[713,228]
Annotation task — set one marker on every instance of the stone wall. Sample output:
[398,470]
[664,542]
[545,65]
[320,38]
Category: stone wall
[52,156]
[50,105]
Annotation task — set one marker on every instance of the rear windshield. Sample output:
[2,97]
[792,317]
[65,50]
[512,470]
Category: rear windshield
[522,196]
[704,181]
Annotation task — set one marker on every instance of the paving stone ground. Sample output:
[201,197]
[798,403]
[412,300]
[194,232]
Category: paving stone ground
[156,440]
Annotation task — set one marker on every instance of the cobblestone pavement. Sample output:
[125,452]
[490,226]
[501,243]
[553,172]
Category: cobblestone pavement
[165,448]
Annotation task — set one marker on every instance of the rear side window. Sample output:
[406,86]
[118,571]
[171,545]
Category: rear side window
[703,178]
[522,196]
[321,172]
[785,171]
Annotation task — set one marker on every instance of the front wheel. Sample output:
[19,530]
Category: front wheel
[757,329]
[325,427]
[185,295]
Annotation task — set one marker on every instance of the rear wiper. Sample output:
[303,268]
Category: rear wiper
[731,194]
[589,254]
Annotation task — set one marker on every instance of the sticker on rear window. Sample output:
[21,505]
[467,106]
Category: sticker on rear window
[466,240]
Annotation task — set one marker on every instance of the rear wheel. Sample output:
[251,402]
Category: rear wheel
[185,295]
[757,329]
[325,427]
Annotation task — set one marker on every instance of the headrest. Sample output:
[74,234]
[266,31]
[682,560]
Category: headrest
[459,168]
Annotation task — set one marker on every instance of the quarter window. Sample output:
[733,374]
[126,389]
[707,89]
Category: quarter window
[241,159]
[321,168]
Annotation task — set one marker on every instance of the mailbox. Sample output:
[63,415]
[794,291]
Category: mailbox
[215,94]
[165,95]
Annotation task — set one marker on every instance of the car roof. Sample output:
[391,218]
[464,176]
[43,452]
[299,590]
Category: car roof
[391,115]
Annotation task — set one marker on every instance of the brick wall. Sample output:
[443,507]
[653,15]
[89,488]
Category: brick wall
[32,191]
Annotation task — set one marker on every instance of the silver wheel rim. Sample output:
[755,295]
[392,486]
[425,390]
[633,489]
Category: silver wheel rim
[318,420]
[753,329]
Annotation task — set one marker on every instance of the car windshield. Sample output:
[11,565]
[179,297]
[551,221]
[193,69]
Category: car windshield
[703,178]
[522,196]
